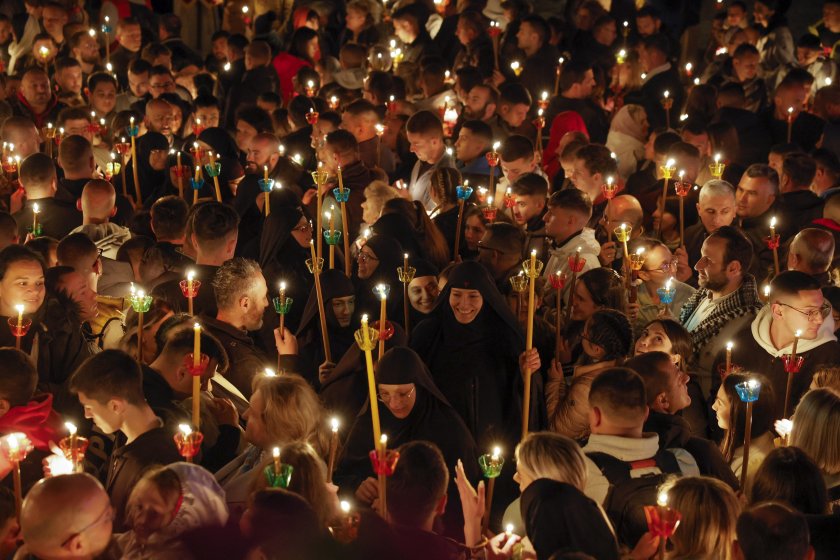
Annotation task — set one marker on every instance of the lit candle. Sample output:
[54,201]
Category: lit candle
[196,345]
[509,530]
[334,424]
[728,357]
[35,211]
[265,173]
[662,499]
[190,285]
[275,453]
[19,307]
[774,243]
[529,339]
[196,380]
[382,292]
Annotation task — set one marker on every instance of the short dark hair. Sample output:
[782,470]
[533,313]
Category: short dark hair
[827,160]
[418,483]
[237,42]
[763,171]
[574,200]
[738,246]
[101,78]
[74,249]
[160,70]
[664,141]
[574,72]
[540,27]
[424,122]
[206,100]
[169,217]
[343,142]
[618,390]
[516,147]
[598,159]
[796,77]
[381,85]
[108,375]
[468,76]
[800,169]
[479,128]
[67,61]
[139,66]
[657,42]
[530,184]
[17,253]
[514,93]
[234,279]
[256,117]
[791,282]
[18,377]
[648,366]
[745,49]
[37,169]
[213,222]
[772,531]
[171,23]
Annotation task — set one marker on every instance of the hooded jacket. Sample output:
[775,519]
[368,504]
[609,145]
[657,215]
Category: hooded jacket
[754,351]
[108,237]
[559,254]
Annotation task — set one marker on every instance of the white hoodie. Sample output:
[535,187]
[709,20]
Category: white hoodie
[761,333]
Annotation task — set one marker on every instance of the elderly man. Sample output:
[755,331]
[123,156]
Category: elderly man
[812,252]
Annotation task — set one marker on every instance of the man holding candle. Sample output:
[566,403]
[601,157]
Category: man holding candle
[500,251]
[35,99]
[593,164]
[529,194]
[425,135]
[540,55]
[512,112]
[361,118]
[660,76]
[56,218]
[576,84]
[755,205]
[797,305]
[109,388]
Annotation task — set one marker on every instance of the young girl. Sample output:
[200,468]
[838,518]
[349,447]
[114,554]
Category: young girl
[166,503]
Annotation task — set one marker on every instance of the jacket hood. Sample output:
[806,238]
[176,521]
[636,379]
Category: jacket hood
[761,333]
[585,240]
[105,235]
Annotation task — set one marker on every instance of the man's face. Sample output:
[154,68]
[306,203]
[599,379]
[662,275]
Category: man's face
[343,308]
[527,207]
[102,414]
[734,16]
[716,210]
[103,99]
[753,197]
[476,105]
[746,66]
[606,34]
[469,146]
[36,88]
[160,84]
[159,118]
[70,80]
[88,50]
[791,96]
[560,223]
[711,272]
[422,293]
[220,49]
[526,38]
[518,167]
[130,37]
[646,26]
[677,393]
[54,20]
[806,56]
[22,284]
[404,30]
[514,115]
[585,181]
[260,153]
[80,127]
[75,286]
[699,141]
[473,231]
[258,296]
[426,147]
[244,134]
[209,116]
[793,312]
[138,83]
[775,161]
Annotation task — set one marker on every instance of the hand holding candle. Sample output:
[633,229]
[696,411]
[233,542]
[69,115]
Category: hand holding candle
[532,268]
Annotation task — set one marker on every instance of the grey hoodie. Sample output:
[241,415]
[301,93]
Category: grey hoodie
[108,237]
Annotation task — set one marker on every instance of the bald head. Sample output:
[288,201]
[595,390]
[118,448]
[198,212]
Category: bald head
[811,251]
[66,516]
[98,202]
[159,116]
[626,209]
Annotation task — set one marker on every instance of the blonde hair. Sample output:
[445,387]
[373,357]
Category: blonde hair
[377,193]
[816,428]
[550,455]
[292,411]
[308,480]
[827,377]
[710,510]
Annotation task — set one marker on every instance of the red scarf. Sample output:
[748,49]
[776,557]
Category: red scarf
[36,419]
[827,223]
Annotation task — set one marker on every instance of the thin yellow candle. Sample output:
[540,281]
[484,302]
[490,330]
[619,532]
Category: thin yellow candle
[265,172]
[382,448]
[347,261]
[334,424]
[275,454]
[776,269]
[374,402]
[19,308]
[331,220]
[529,341]
[35,211]
[215,177]
[383,302]
[179,176]
[138,200]
[196,386]
[728,357]
[320,297]
[190,282]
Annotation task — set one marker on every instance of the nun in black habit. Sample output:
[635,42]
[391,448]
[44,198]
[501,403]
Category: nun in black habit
[339,310]
[227,154]
[560,518]
[414,410]
[284,248]
[471,343]
[152,169]
[377,263]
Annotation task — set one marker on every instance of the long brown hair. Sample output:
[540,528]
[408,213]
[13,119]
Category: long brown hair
[762,418]
[432,242]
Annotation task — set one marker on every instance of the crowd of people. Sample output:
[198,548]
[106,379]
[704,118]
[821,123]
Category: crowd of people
[581,275]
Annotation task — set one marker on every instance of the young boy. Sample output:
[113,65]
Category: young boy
[529,195]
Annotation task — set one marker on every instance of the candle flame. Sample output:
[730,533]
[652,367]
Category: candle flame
[798,333]
[185,429]
[773,222]
[668,283]
[662,498]
[509,529]
[196,326]
[681,173]
[269,372]
[35,208]
[640,251]
[497,451]
[670,163]
[533,252]
[282,286]
[334,424]
[496,146]
[729,345]
[71,427]
[610,180]
[767,291]
[753,384]
[717,158]
[383,439]
[345,506]
[784,427]
[19,308]
[364,318]
[667,94]
[191,275]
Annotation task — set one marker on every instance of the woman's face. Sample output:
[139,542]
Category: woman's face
[368,262]
[473,232]
[177,119]
[313,49]
[521,476]
[584,304]
[422,293]
[465,304]
[399,399]
[722,406]
[343,308]
[302,232]
[158,159]
[355,20]
[255,429]
[148,510]
[371,209]
[653,339]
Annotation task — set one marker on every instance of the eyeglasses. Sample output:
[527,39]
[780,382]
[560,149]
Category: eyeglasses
[105,516]
[365,257]
[303,228]
[396,396]
[162,86]
[813,315]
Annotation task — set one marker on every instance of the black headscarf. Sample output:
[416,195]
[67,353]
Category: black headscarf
[220,141]
[560,518]
[422,268]
[227,154]
[334,284]
[153,183]
[432,419]
[390,255]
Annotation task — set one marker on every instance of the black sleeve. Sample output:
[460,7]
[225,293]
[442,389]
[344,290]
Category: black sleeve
[225,449]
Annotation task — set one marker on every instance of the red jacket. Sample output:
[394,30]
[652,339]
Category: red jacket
[36,419]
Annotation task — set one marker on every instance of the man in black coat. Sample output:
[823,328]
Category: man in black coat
[540,56]
[660,77]
[56,218]
[259,77]
[576,84]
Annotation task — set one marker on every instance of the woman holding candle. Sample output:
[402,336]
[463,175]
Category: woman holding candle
[377,263]
[731,416]
[815,425]
[658,273]
[423,290]
[411,408]
[445,214]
